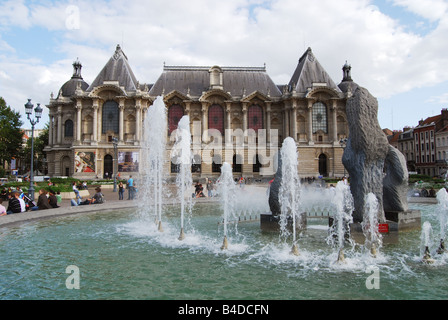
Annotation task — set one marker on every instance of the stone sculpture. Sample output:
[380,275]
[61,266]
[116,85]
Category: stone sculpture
[366,151]
[395,183]
[274,204]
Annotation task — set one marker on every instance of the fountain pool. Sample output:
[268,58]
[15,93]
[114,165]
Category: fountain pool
[119,257]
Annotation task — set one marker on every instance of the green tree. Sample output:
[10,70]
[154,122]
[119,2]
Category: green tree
[10,133]
[40,142]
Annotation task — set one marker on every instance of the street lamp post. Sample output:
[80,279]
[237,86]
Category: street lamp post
[38,113]
[343,143]
[115,143]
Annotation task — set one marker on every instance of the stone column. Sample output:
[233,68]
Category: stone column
[204,122]
[138,122]
[268,122]
[99,123]
[144,111]
[286,121]
[78,121]
[59,125]
[228,136]
[50,131]
[121,121]
[294,120]
[309,131]
[334,109]
[95,120]
[55,133]
[187,108]
[244,109]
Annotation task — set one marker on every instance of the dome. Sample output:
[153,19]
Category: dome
[347,84]
[68,89]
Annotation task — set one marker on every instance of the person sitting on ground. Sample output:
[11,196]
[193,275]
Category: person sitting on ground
[42,201]
[2,208]
[98,196]
[22,202]
[58,198]
[52,200]
[14,203]
[96,199]
[198,190]
[75,190]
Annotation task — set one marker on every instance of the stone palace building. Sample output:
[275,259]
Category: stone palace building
[252,113]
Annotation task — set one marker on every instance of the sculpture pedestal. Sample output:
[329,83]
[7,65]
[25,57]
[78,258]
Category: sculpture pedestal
[396,222]
[271,223]
[406,220]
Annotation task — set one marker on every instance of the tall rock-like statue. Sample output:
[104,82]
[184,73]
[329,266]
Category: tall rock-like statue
[366,151]
[274,203]
[395,185]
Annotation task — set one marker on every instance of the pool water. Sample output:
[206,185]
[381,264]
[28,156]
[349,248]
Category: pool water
[121,255]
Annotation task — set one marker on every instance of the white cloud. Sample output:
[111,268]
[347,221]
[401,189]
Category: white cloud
[432,10]
[385,57]
[441,99]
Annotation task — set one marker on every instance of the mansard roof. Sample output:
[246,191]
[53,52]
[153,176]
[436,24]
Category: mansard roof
[308,72]
[193,81]
[117,69]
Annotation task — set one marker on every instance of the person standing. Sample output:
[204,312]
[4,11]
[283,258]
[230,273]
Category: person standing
[130,188]
[120,191]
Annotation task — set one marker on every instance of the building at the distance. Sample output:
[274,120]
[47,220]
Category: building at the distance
[237,114]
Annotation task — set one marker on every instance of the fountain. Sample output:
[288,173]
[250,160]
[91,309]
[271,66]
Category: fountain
[289,192]
[342,217]
[370,224]
[284,194]
[426,242]
[182,156]
[442,208]
[123,241]
[153,154]
[227,193]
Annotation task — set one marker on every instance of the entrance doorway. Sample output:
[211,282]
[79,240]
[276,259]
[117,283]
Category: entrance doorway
[108,166]
[323,165]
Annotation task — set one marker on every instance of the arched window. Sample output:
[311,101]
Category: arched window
[175,113]
[68,129]
[175,166]
[196,164]
[255,117]
[323,165]
[216,164]
[237,163]
[216,118]
[320,117]
[257,164]
[110,117]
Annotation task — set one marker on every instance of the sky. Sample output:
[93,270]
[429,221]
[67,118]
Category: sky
[397,48]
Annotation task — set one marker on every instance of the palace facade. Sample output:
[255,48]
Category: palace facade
[251,113]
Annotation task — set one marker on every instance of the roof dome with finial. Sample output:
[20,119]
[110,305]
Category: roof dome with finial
[347,83]
[68,89]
